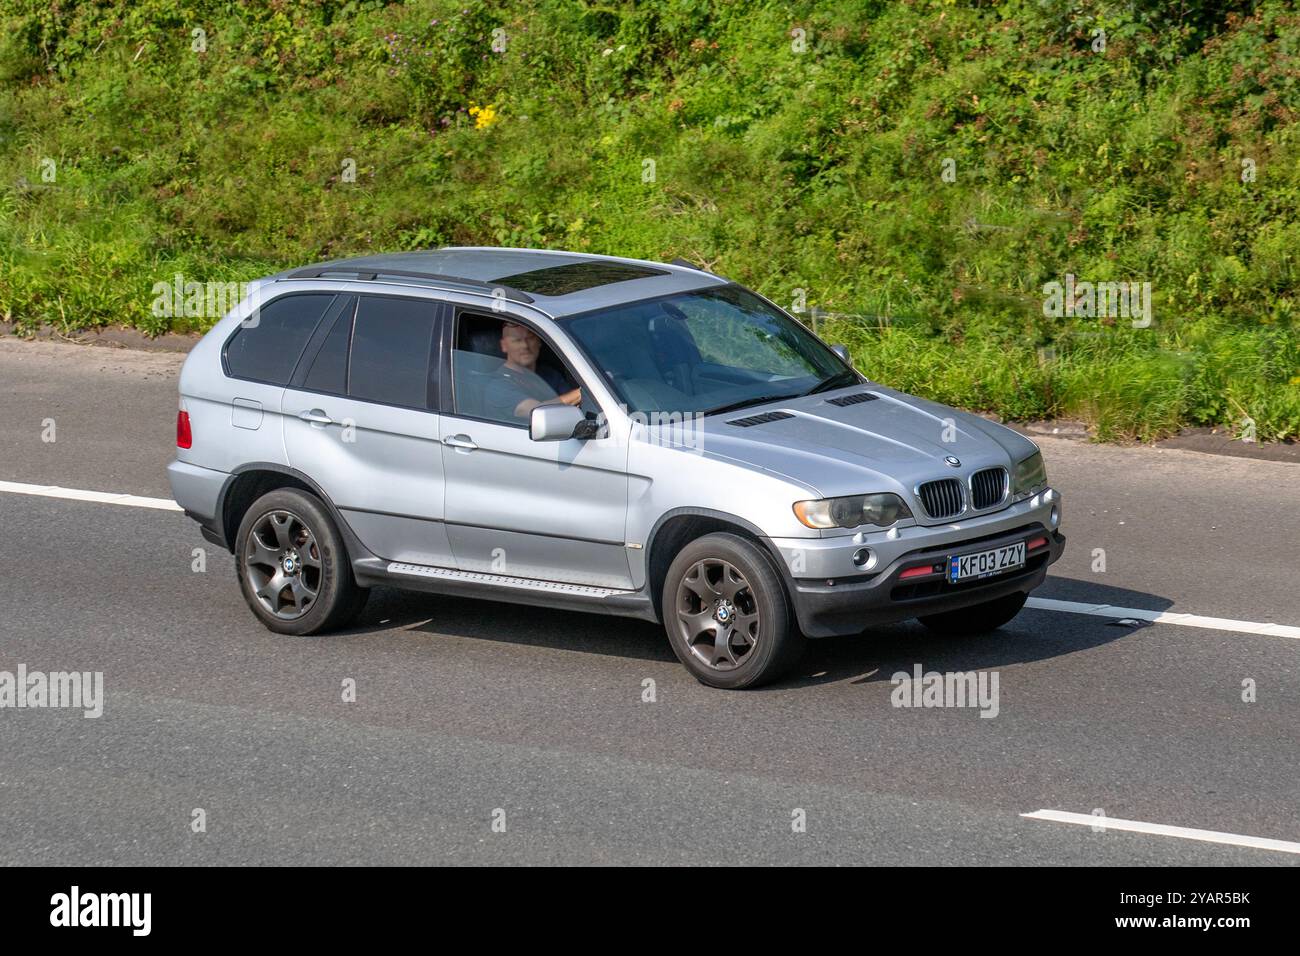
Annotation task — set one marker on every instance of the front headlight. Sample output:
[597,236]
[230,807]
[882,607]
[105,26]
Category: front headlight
[882,510]
[1029,476]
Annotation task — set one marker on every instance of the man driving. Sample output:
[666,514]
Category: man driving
[517,388]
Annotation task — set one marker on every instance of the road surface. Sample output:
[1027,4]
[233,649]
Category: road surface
[493,733]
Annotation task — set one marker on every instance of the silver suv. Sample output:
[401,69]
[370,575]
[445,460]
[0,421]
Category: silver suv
[593,433]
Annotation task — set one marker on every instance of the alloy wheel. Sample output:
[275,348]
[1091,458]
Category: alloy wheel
[282,564]
[717,615]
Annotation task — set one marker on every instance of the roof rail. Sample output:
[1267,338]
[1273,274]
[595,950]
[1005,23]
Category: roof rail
[371,275]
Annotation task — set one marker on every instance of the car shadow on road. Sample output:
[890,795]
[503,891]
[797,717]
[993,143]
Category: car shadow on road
[873,655]
[1033,635]
[514,624]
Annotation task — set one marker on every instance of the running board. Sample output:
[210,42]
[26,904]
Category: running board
[504,581]
[372,571]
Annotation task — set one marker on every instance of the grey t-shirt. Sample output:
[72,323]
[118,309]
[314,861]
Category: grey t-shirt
[509,387]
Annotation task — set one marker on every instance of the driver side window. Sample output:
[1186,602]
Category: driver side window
[501,369]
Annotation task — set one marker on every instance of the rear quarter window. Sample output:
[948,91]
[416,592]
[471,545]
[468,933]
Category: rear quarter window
[329,368]
[267,349]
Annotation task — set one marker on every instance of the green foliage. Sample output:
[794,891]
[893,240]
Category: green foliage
[819,170]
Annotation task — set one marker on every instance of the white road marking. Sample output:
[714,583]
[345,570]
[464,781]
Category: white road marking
[1043,604]
[1161,829]
[1165,617]
[99,497]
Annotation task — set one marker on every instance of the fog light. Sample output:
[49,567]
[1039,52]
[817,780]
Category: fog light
[863,557]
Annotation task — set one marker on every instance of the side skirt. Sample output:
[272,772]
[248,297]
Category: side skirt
[371,572]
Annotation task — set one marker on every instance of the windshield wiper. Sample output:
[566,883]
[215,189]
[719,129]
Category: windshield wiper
[838,380]
[745,403]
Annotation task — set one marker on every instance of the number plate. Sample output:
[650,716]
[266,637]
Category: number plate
[983,564]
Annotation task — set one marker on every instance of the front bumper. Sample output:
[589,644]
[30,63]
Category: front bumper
[845,603]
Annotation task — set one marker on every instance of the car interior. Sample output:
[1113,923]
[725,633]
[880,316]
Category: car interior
[478,357]
[663,360]
[653,354]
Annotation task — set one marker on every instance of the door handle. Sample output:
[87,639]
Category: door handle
[462,442]
[316,417]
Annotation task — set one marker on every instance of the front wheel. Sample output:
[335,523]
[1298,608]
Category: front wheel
[978,618]
[726,613]
[293,566]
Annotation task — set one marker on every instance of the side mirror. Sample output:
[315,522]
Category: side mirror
[556,422]
[843,352]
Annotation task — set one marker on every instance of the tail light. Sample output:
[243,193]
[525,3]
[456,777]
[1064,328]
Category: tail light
[184,439]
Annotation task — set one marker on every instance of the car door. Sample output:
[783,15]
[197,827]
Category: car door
[552,510]
[361,420]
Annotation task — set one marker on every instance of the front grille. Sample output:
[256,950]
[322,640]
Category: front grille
[854,399]
[988,487]
[759,419]
[942,498]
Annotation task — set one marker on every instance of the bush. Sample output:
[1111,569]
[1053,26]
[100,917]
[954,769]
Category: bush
[930,162]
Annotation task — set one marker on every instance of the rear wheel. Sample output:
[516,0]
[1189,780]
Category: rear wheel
[977,619]
[293,567]
[726,613]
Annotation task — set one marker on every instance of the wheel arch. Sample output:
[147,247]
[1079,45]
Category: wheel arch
[249,482]
[679,527]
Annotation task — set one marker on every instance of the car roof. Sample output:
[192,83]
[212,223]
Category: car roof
[557,283]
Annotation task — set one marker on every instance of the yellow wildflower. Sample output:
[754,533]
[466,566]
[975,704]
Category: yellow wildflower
[484,116]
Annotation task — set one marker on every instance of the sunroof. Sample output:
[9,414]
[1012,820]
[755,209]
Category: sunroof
[576,276]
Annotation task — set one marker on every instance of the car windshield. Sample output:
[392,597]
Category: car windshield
[708,351]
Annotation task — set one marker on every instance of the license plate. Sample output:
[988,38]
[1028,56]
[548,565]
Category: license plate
[983,564]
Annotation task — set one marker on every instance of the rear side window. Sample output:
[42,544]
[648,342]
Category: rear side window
[267,350]
[329,370]
[390,359]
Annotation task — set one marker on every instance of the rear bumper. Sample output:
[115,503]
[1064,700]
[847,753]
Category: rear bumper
[851,604]
[199,492]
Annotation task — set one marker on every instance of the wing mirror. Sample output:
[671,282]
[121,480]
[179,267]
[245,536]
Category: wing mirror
[558,422]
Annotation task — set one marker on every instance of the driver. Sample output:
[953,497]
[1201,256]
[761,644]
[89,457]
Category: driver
[517,388]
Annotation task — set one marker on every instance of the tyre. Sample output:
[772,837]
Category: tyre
[727,615]
[293,567]
[978,618]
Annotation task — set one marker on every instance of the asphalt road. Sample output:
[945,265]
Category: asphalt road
[472,711]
